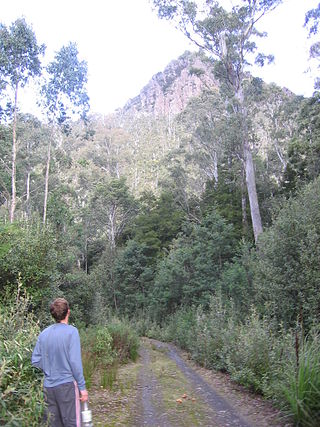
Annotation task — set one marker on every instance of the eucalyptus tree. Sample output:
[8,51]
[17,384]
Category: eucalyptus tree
[228,36]
[304,149]
[5,171]
[312,22]
[65,97]
[204,120]
[19,62]
[30,134]
[112,207]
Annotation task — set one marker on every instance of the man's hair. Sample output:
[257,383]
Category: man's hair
[59,309]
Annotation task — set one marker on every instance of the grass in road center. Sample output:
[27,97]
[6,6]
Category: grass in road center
[183,405]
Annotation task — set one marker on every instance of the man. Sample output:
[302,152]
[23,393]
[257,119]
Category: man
[58,354]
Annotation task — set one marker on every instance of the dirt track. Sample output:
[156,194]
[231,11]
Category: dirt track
[164,389]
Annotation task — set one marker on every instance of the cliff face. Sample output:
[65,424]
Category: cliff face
[168,92]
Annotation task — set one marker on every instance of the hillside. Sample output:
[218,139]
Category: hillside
[168,92]
[177,123]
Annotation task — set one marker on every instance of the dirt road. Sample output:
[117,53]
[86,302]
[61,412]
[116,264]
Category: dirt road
[165,389]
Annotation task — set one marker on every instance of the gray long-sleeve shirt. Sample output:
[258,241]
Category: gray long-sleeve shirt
[58,354]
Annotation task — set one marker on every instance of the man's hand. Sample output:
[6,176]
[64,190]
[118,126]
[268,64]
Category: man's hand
[83,395]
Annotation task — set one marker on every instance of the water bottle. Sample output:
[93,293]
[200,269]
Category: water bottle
[86,415]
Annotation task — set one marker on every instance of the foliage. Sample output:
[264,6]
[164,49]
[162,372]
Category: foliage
[125,340]
[248,359]
[132,278]
[65,89]
[104,347]
[236,281]
[158,223]
[28,253]
[285,266]
[113,207]
[312,24]
[303,391]
[226,196]
[192,269]
[304,148]
[19,53]
[20,385]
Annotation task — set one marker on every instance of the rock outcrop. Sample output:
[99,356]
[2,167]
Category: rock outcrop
[168,92]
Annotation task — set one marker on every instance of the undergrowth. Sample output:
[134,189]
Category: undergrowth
[21,400]
[104,348]
[280,364]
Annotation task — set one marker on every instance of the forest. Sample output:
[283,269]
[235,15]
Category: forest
[198,226]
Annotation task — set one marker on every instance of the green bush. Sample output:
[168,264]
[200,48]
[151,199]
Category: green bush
[97,347]
[286,268]
[248,358]
[211,332]
[180,328]
[145,326]
[125,340]
[21,397]
[105,347]
[102,346]
[303,391]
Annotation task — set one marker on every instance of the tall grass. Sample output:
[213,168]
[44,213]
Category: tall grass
[303,392]
[104,348]
[21,397]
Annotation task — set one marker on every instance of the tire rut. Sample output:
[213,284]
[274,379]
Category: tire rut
[225,414]
[156,409]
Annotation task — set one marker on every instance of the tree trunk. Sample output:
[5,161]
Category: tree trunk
[249,167]
[14,156]
[46,186]
[215,168]
[252,192]
[244,204]
[28,195]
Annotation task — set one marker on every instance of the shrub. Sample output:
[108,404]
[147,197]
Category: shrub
[125,340]
[286,265]
[248,358]
[97,345]
[21,397]
[303,392]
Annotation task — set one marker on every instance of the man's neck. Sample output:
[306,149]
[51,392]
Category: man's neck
[65,321]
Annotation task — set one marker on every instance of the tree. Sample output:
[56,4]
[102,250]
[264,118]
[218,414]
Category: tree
[304,148]
[191,271]
[112,208]
[19,61]
[30,135]
[64,96]
[228,37]
[312,21]
[132,278]
[286,266]
[159,224]
[5,171]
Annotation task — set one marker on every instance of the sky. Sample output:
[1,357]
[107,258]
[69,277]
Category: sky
[125,43]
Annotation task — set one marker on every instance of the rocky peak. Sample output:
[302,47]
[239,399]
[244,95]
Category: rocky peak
[168,92]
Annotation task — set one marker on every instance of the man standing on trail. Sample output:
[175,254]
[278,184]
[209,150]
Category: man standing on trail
[58,354]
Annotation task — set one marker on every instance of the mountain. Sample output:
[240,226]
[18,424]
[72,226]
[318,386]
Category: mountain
[168,92]
[179,128]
